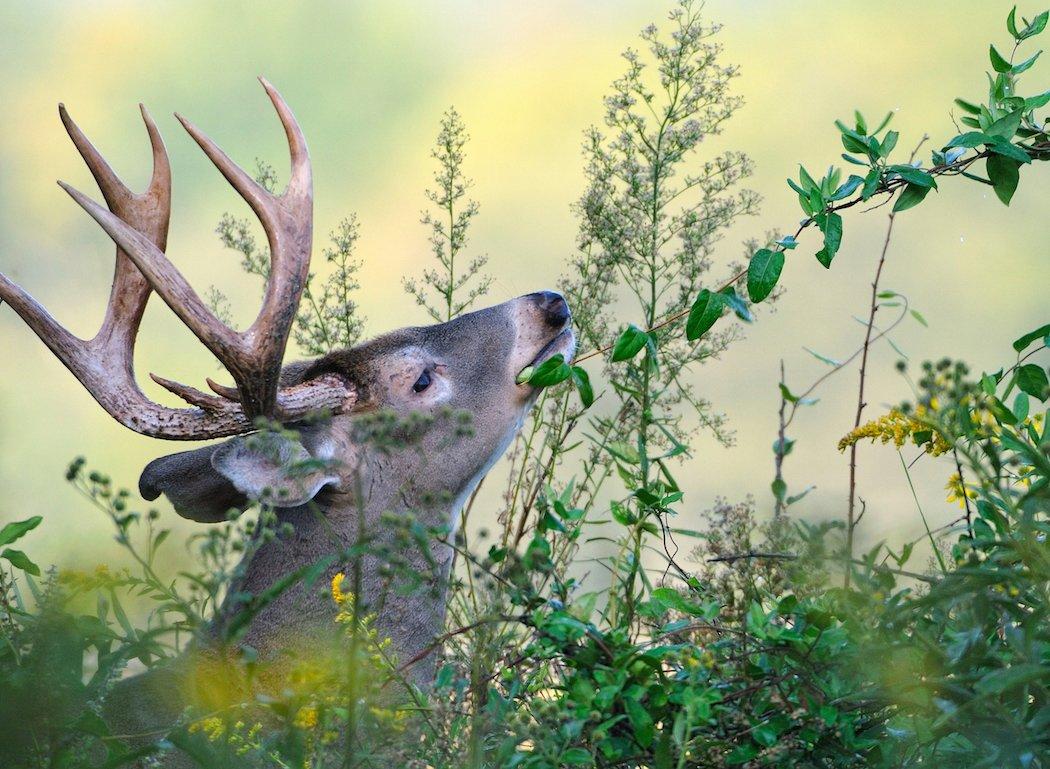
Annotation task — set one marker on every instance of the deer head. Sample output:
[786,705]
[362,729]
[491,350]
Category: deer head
[466,366]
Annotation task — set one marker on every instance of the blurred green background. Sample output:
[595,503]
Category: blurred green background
[369,81]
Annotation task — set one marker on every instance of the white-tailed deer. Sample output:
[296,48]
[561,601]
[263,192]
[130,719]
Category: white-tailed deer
[468,365]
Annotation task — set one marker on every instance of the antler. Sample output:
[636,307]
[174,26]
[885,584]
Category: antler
[138,224]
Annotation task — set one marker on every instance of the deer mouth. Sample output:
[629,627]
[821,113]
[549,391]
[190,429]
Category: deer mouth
[563,344]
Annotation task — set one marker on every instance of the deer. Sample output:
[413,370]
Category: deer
[343,484]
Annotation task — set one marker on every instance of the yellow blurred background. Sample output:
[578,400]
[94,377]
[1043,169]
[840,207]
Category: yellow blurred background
[369,82]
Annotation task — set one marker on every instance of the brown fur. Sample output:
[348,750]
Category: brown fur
[474,360]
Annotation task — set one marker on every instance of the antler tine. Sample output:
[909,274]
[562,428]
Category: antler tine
[113,189]
[160,182]
[300,181]
[163,276]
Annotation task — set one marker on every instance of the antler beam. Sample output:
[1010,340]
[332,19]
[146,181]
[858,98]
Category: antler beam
[138,224]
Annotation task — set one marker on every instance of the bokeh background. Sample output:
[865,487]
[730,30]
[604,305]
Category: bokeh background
[369,81]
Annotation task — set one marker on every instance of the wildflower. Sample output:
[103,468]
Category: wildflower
[898,427]
[337,588]
[305,718]
[959,491]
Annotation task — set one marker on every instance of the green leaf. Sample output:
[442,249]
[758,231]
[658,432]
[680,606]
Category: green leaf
[1004,175]
[763,273]
[583,386]
[576,757]
[623,451]
[1011,22]
[912,195]
[630,342]
[1034,102]
[1032,380]
[973,109]
[1019,344]
[779,489]
[787,242]
[13,531]
[1038,25]
[970,139]
[999,681]
[831,226]
[736,304]
[1008,150]
[21,561]
[914,175]
[918,316]
[1007,125]
[999,64]
[550,372]
[707,309]
[822,358]
[1025,65]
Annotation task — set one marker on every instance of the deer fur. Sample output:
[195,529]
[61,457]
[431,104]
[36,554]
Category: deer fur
[473,361]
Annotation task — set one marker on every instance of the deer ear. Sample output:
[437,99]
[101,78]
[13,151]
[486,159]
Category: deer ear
[205,484]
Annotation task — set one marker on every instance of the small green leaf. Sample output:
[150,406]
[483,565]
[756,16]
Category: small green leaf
[1004,175]
[1025,65]
[13,531]
[629,343]
[21,561]
[918,316]
[1011,23]
[912,195]
[583,386]
[736,304]
[999,64]
[707,309]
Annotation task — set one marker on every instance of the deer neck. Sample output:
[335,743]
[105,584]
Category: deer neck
[354,534]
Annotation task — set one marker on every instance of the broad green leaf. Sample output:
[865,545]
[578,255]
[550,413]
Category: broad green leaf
[707,309]
[912,195]
[21,561]
[831,226]
[970,139]
[550,372]
[763,273]
[629,343]
[1004,175]
[13,531]
[1007,125]
[1019,344]
[1032,380]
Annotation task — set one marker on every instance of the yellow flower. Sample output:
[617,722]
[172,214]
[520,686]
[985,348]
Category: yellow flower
[337,588]
[959,491]
[306,718]
[898,427]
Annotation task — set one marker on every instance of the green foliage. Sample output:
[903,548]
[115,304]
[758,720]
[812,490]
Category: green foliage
[449,224]
[736,652]
[329,318]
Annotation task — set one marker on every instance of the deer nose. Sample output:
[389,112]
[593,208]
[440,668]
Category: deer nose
[554,307]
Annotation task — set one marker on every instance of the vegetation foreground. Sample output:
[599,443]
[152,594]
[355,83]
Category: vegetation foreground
[599,624]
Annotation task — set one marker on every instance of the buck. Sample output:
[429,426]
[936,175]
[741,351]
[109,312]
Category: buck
[329,483]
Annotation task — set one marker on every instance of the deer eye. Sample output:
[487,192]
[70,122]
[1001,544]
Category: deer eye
[422,383]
